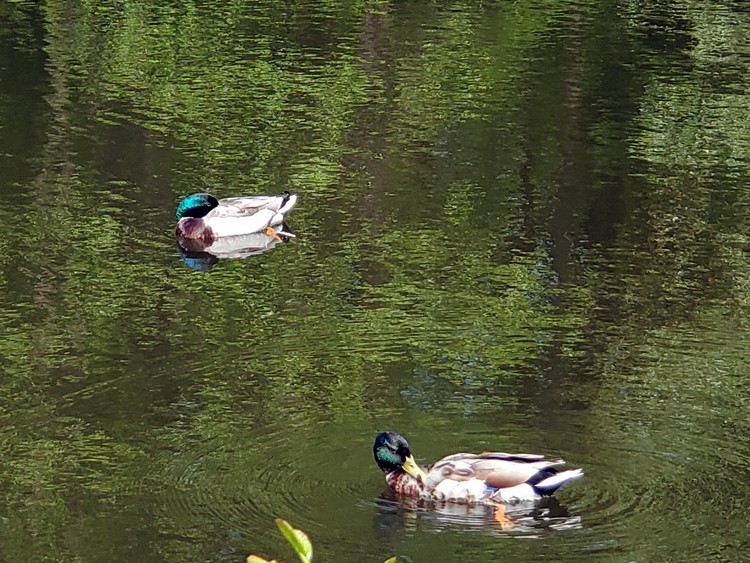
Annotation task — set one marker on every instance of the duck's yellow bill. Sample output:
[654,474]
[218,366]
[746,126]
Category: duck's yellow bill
[411,467]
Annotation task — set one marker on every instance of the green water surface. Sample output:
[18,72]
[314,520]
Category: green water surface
[522,226]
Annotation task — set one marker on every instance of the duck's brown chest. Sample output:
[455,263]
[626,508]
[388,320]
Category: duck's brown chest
[404,484]
[192,228]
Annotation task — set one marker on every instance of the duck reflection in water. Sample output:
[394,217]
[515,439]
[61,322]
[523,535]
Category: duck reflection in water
[202,255]
[394,513]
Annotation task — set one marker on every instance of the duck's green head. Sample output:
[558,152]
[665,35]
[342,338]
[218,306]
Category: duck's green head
[196,205]
[392,453]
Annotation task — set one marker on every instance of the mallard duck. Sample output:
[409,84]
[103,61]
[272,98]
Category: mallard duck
[202,216]
[492,478]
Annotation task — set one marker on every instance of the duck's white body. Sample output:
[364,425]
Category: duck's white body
[245,215]
[495,476]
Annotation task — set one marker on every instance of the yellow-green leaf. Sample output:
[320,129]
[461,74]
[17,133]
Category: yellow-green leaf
[256,559]
[299,540]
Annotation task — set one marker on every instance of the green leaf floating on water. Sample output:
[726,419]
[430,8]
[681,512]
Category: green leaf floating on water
[299,540]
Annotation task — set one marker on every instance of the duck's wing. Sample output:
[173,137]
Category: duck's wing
[247,206]
[497,470]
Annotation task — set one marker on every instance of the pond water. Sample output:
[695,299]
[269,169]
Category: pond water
[521,227]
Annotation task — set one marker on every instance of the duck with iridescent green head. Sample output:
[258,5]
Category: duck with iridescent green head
[493,478]
[203,217]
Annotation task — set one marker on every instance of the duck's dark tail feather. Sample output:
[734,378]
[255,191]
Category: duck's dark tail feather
[288,201]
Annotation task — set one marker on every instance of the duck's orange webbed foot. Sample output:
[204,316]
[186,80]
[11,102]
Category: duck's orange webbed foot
[271,233]
[500,517]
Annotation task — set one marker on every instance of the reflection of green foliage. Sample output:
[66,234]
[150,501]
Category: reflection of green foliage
[191,73]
